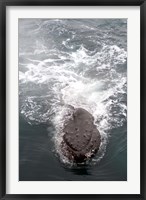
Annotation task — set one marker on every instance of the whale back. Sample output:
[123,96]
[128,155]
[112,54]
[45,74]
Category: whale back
[80,134]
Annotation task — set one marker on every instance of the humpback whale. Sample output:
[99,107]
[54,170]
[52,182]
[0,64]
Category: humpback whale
[81,138]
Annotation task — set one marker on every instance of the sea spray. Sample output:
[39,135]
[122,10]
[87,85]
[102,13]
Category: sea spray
[66,71]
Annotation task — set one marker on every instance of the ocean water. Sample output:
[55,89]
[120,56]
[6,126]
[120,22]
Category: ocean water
[77,62]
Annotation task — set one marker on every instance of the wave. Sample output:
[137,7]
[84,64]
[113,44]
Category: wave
[79,78]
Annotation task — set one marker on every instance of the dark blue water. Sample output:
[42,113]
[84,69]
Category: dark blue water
[78,62]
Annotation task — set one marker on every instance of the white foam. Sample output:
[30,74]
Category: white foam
[67,85]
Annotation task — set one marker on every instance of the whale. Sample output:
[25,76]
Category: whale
[81,138]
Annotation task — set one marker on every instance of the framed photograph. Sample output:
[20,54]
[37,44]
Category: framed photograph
[72,99]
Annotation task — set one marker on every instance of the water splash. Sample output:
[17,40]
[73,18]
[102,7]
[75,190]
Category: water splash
[79,78]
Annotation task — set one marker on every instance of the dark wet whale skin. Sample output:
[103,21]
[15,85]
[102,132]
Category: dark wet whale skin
[81,139]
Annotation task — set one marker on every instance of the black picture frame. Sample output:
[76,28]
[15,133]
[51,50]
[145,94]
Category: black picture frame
[3,126]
